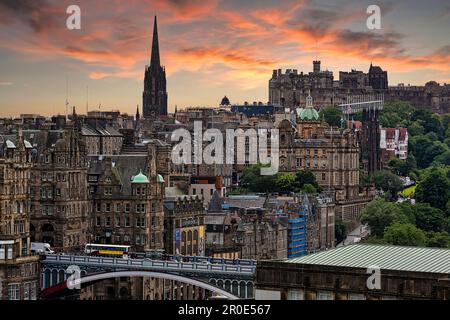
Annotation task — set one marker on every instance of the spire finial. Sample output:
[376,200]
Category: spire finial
[155,45]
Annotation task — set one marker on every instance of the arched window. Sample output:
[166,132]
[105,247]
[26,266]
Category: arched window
[189,243]
[195,243]
[183,242]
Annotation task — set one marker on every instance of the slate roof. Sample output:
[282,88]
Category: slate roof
[88,130]
[244,202]
[215,204]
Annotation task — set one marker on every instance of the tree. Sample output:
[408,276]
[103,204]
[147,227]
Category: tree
[415,129]
[309,189]
[285,182]
[404,234]
[426,150]
[364,178]
[396,164]
[303,177]
[438,239]
[254,181]
[425,217]
[443,158]
[434,188]
[435,151]
[390,120]
[332,116]
[403,167]
[434,124]
[396,113]
[380,214]
[388,182]
[340,231]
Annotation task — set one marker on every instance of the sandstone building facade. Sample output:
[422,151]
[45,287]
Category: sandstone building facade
[19,270]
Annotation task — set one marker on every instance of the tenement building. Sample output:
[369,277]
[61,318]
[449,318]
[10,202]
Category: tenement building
[127,197]
[58,187]
[184,225]
[358,272]
[332,154]
[19,271]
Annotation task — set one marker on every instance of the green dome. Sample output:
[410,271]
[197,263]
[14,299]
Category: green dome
[309,114]
[160,178]
[140,178]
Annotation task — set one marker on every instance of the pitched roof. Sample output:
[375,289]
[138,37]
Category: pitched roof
[216,202]
[244,201]
[388,257]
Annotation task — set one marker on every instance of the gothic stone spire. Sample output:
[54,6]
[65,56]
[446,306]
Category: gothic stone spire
[155,46]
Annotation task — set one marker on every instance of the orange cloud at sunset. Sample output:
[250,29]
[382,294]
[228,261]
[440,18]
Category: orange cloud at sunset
[225,44]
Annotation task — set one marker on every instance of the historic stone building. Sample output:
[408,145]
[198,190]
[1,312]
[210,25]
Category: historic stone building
[261,236]
[332,154]
[432,95]
[291,88]
[127,197]
[353,80]
[19,271]
[378,78]
[58,187]
[101,140]
[393,144]
[154,97]
[184,225]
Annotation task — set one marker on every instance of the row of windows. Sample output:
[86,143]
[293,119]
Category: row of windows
[16,207]
[138,239]
[194,191]
[49,177]
[107,221]
[50,210]
[107,207]
[29,291]
[13,227]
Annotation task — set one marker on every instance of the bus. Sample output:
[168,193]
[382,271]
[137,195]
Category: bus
[107,250]
[156,254]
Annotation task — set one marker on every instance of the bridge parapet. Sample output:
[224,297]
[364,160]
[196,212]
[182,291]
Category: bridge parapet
[236,279]
[206,269]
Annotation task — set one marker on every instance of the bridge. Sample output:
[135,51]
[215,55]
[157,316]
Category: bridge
[231,278]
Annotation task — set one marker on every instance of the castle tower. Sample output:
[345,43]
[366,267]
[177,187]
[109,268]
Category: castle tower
[155,95]
[316,66]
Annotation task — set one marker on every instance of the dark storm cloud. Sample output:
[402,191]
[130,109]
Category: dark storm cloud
[389,42]
[38,15]
[443,51]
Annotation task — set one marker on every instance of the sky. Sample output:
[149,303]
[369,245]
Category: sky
[210,48]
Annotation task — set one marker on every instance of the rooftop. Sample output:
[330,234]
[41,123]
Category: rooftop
[140,178]
[414,259]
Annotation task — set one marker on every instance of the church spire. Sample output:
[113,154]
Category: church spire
[154,97]
[155,46]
